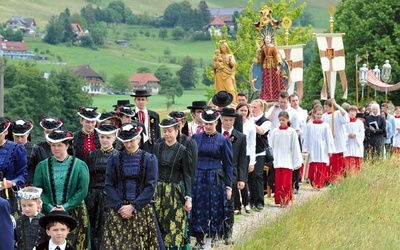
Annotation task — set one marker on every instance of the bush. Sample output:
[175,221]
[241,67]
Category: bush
[167,51]
[201,36]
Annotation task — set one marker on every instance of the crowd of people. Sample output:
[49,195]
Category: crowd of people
[118,184]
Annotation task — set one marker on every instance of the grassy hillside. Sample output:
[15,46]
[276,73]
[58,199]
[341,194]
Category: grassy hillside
[42,10]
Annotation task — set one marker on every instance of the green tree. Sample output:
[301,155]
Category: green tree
[163,33]
[86,41]
[68,33]
[97,36]
[178,33]
[76,18]
[143,70]
[120,83]
[171,88]
[12,36]
[163,74]
[187,74]
[54,31]
[205,15]
[89,14]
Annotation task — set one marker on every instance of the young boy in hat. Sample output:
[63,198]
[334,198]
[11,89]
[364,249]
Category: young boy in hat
[58,224]
[87,139]
[27,232]
[149,118]
[196,125]
[21,133]
[48,124]
[223,99]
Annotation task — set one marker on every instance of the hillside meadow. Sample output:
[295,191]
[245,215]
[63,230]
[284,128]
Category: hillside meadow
[361,213]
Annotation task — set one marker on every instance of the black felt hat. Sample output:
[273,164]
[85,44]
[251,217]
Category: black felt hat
[89,113]
[141,93]
[166,123]
[125,110]
[198,105]
[360,115]
[58,216]
[228,112]
[210,115]
[107,128]
[4,125]
[222,99]
[129,131]
[108,115]
[21,126]
[58,135]
[50,123]
[125,103]
[178,115]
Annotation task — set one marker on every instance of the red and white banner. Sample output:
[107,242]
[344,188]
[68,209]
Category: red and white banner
[293,54]
[331,52]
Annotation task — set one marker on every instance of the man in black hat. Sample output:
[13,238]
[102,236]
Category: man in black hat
[196,125]
[21,131]
[240,165]
[149,118]
[224,99]
[87,139]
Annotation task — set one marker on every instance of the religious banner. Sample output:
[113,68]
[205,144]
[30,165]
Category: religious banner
[331,51]
[293,55]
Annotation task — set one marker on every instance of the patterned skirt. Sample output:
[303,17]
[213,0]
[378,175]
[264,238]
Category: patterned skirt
[97,206]
[80,237]
[138,233]
[209,210]
[170,214]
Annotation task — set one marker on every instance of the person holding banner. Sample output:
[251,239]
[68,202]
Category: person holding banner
[272,77]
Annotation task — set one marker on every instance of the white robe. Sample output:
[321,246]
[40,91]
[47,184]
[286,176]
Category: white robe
[355,146]
[286,148]
[318,142]
[339,129]
[396,137]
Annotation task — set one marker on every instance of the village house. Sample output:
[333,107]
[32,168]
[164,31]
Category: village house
[15,50]
[78,31]
[26,25]
[222,17]
[145,81]
[94,82]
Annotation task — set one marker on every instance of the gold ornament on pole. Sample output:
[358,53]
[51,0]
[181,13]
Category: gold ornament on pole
[286,24]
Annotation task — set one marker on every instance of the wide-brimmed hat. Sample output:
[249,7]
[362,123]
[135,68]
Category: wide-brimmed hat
[166,123]
[125,110]
[50,123]
[107,128]
[228,112]
[4,125]
[222,99]
[141,93]
[129,131]
[58,216]
[198,105]
[21,127]
[210,115]
[107,115]
[125,103]
[58,135]
[30,193]
[177,115]
[89,113]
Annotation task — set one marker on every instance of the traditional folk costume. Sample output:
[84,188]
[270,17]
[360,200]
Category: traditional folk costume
[7,234]
[287,157]
[396,137]
[355,146]
[48,124]
[193,127]
[214,176]
[13,165]
[318,143]
[60,217]
[174,186]
[336,170]
[28,232]
[65,183]
[96,200]
[83,142]
[131,179]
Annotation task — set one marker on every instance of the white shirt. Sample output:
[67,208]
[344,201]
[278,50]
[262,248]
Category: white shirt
[293,117]
[355,146]
[286,148]
[193,128]
[53,246]
[318,142]
[396,137]
[302,115]
[250,131]
[146,123]
[265,126]
[339,129]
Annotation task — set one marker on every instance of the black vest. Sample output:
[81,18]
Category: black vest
[261,140]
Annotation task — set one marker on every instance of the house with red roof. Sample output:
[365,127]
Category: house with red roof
[222,17]
[217,24]
[15,50]
[145,81]
[94,82]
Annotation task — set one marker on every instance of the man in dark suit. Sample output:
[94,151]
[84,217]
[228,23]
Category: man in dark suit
[149,118]
[224,99]
[239,144]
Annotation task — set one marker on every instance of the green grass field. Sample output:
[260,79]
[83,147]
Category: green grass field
[361,213]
